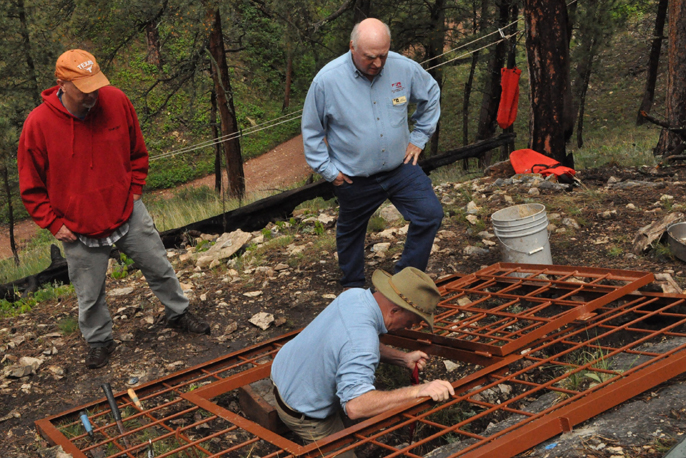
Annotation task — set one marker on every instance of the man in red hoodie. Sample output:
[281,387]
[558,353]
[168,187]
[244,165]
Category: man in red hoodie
[82,166]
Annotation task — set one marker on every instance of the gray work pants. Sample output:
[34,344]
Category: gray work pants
[88,269]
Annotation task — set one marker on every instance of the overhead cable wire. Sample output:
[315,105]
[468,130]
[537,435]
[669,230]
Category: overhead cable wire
[249,131]
[228,136]
[507,37]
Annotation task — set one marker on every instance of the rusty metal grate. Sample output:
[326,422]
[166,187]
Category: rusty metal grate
[504,307]
[620,348]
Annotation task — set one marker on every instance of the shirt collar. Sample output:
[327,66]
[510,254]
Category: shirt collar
[357,73]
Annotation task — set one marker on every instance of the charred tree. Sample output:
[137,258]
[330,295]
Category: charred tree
[152,37]
[362,10]
[492,88]
[676,78]
[227,112]
[289,78]
[653,61]
[10,213]
[506,149]
[435,48]
[548,59]
[217,145]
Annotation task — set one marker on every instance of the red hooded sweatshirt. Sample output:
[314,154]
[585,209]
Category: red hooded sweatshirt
[82,173]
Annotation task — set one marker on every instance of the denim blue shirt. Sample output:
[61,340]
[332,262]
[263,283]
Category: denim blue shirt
[333,360]
[365,123]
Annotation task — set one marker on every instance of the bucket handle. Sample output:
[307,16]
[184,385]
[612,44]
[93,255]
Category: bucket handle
[532,252]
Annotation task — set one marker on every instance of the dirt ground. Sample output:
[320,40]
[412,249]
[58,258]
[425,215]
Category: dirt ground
[276,169]
[148,350]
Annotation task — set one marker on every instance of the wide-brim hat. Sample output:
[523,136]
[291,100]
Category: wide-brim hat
[81,68]
[410,289]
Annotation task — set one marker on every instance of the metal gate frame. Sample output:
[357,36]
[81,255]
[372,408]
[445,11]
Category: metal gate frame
[621,338]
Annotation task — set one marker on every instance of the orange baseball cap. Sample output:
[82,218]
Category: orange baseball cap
[80,68]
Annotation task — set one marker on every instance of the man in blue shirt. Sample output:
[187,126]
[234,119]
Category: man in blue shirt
[330,365]
[356,135]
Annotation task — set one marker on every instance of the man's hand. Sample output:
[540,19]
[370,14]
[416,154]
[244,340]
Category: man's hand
[412,154]
[136,197]
[340,179]
[438,390]
[416,357]
[65,235]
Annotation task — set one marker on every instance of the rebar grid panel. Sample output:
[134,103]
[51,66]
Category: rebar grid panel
[504,307]
[516,401]
[174,425]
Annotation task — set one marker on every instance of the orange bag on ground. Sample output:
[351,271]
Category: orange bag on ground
[509,99]
[529,161]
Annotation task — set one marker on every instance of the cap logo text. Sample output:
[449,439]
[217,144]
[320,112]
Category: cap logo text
[88,65]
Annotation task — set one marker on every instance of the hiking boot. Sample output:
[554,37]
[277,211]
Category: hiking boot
[100,356]
[189,323]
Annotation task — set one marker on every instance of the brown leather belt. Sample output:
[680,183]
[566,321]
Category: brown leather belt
[288,410]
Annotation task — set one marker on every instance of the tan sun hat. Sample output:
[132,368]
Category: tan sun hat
[80,67]
[410,289]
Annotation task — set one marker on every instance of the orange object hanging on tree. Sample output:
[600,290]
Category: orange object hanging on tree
[509,99]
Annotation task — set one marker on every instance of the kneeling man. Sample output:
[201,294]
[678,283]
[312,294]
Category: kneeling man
[330,365]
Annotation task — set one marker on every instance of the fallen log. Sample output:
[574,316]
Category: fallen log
[251,217]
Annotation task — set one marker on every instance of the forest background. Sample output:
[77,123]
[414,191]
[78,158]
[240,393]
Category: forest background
[217,81]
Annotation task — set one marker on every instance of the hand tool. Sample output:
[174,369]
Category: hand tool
[115,410]
[97,451]
[134,398]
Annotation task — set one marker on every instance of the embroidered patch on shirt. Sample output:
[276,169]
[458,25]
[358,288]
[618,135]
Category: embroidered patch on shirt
[397,87]
[399,100]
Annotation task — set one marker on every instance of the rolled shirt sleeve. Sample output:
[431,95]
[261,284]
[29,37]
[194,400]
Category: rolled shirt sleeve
[355,375]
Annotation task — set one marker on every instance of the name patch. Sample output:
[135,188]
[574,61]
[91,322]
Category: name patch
[399,100]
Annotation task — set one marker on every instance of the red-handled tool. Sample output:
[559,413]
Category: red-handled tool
[414,380]
[115,410]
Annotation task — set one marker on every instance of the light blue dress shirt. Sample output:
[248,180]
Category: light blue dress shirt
[365,123]
[333,360]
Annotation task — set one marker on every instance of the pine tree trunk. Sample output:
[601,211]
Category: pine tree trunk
[435,48]
[217,146]
[289,73]
[548,59]
[492,88]
[227,113]
[26,42]
[466,97]
[506,149]
[362,10]
[582,104]
[10,214]
[152,37]
[653,61]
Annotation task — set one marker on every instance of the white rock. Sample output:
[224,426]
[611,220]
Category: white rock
[447,234]
[262,320]
[473,219]
[228,244]
[631,206]
[120,291]
[534,192]
[666,197]
[571,222]
[485,235]
[35,363]
[390,213]
[474,251]
[381,247]
[472,208]
[280,266]
[126,337]
[329,296]
[203,297]
[253,293]
[612,180]
[450,366]
[325,219]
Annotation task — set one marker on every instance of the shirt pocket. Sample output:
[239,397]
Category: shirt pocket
[398,112]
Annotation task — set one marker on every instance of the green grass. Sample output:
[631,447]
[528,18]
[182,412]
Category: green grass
[46,293]
[68,325]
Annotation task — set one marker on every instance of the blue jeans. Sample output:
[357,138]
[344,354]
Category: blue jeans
[410,190]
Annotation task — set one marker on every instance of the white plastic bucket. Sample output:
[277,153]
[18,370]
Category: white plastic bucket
[522,231]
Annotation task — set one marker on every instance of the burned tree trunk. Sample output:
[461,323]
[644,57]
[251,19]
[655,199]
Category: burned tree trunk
[676,78]
[152,37]
[506,149]
[217,145]
[434,49]
[492,89]
[362,10]
[653,61]
[289,78]
[10,214]
[548,57]
[227,113]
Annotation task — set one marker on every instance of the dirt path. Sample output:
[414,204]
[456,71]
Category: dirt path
[276,169]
